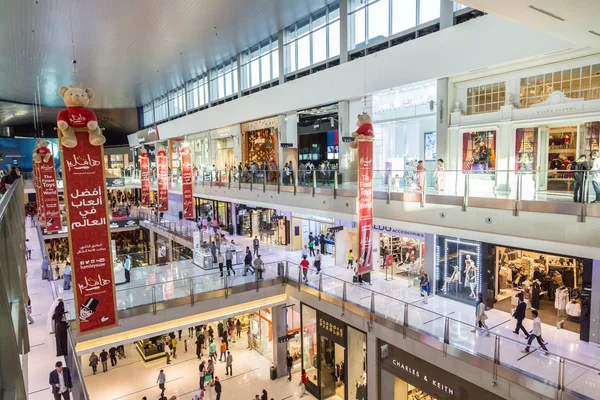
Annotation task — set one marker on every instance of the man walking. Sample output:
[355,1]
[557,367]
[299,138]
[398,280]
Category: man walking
[162,378]
[519,315]
[317,261]
[259,267]
[536,333]
[113,356]
[311,247]
[46,268]
[218,389]
[596,175]
[248,262]
[256,244]
[60,380]
[580,169]
[104,360]
[229,261]
[67,276]
[289,360]
[305,251]
[127,267]
[229,364]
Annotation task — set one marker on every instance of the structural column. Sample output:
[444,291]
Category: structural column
[446,14]
[152,248]
[279,326]
[281,55]
[372,368]
[344,31]
[442,113]
[239,75]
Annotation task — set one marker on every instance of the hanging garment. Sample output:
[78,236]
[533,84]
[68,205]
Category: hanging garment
[561,299]
[535,296]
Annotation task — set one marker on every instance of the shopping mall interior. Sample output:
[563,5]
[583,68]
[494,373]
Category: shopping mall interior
[320,199]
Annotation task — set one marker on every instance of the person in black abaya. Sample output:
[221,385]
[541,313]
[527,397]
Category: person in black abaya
[61,339]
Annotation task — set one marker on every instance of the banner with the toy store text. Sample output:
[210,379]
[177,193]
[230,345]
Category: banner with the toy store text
[187,181]
[163,179]
[49,193]
[365,205]
[89,234]
[38,193]
[145,178]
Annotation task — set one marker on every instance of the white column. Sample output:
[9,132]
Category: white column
[372,368]
[442,109]
[209,88]
[343,31]
[595,304]
[281,57]
[446,14]
[239,75]
[279,326]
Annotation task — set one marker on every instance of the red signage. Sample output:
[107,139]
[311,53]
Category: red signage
[38,195]
[163,179]
[89,234]
[365,205]
[186,180]
[49,194]
[145,175]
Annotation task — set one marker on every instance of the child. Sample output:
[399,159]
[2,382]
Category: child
[185,344]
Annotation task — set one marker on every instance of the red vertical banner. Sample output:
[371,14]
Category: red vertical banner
[38,195]
[163,179]
[145,177]
[186,180]
[365,205]
[48,188]
[89,234]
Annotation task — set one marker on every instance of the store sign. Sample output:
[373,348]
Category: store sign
[399,232]
[429,378]
[145,178]
[287,145]
[332,328]
[313,218]
[286,338]
[276,218]
[365,206]
[89,235]
[187,179]
[336,229]
[147,135]
[124,223]
[115,182]
[347,139]
[163,179]
[49,194]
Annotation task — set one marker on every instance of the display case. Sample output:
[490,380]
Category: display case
[479,151]
[526,149]
[151,349]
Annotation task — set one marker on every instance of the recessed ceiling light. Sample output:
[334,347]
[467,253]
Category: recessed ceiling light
[548,13]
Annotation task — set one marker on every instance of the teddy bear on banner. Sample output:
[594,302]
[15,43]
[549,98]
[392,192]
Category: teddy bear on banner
[41,153]
[364,131]
[76,98]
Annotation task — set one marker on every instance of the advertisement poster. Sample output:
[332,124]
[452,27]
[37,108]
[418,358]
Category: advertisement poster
[365,205]
[89,235]
[145,178]
[49,194]
[38,194]
[163,179]
[186,180]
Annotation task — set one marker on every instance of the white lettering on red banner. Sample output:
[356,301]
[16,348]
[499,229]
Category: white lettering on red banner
[365,205]
[145,178]
[89,235]
[163,179]
[187,180]
[49,195]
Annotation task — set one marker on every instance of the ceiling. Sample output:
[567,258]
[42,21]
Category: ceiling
[579,16]
[128,51]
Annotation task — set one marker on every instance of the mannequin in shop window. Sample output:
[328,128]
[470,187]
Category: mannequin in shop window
[453,278]
[471,276]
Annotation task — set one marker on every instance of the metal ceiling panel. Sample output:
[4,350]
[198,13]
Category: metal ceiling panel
[128,51]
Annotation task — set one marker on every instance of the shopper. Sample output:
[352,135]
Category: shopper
[212,350]
[113,356]
[168,353]
[127,267]
[218,388]
[229,364]
[104,360]
[94,362]
[249,335]
[28,310]
[229,261]
[303,380]
[519,315]
[311,247]
[174,346]
[161,380]
[350,259]
[305,251]
[202,369]
[595,176]
[46,268]
[580,169]
[256,245]
[259,267]
[223,349]
[289,360]
[536,333]
[264,395]
[304,264]
[27,250]
[238,327]
[425,288]
[480,315]
[248,262]
[225,336]
[420,175]
[60,381]
[199,347]
[210,371]
[317,261]
[221,261]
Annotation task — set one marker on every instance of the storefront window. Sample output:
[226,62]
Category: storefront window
[260,141]
[485,98]
[357,364]
[479,151]
[591,138]
[526,149]
[458,268]
[309,342]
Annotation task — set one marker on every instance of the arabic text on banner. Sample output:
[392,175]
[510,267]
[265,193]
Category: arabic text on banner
[186,182]
[365,205]
[89,235]
[163,180]
[145,175]
[49,195]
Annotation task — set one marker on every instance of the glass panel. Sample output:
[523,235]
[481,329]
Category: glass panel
[319,19]
[428,10]
[303,27]
[334,39]
[319,45]
[379,21]
[290,58]
[255,73]
[228,84]
[404,15]
[275,60]
[303,52]
[265,68]
[309,339]
[357,21]
[334,11]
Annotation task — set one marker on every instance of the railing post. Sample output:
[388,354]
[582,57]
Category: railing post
[229,179]
[466,193]
[287,272]
[256,278]
[389,186]
[519,193]
[264,181]
[405,320]
[424,189]
[251,180]
[314,185]
[496,358]
[192,291]
[295,183]
[561,376]
[154,300]
[240,175]
[226,285]
[278,177]
[295,177]
[344,299]
[446,331]
[299,277]
[584,197]
[320,285]
[372,313]
[335,183]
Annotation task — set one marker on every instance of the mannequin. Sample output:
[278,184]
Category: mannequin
[453,278]
[471,276]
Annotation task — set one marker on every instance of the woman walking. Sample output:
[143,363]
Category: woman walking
[94,362]
[480,315]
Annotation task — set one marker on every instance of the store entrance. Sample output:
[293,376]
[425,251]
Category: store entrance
[332,370]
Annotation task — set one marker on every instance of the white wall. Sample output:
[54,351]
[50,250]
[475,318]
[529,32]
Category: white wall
[479,43]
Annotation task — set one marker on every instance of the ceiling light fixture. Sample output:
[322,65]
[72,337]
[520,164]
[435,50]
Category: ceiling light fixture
[548,13]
